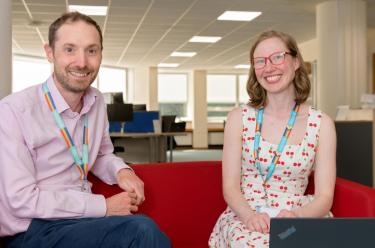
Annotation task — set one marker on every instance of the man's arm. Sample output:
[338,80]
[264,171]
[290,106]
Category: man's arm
[107,165]
[19,188]
[112,170]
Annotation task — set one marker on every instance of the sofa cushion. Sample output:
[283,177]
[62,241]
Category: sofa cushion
[185,199]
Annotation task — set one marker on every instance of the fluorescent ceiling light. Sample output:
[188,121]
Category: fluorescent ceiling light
[89,10]
[242,67]
[239,16]
[169,65]
[183,54]
[205,39]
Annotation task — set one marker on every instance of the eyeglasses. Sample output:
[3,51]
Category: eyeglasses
[276,59]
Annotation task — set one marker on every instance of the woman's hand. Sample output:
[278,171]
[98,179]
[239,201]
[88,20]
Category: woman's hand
[286,214]
[258,222]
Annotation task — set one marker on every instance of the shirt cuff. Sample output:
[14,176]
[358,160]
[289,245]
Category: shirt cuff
[95,205]
[117,168]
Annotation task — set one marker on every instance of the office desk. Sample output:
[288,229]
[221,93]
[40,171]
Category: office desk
[157,143]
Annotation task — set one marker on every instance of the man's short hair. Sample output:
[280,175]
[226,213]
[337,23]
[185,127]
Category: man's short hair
[71,17]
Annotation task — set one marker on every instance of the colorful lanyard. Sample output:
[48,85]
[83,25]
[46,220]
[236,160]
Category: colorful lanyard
[280,147]
[82,164]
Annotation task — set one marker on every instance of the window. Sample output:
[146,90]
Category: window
[221,94]
[24,72]
[172,94]
[112,80]
[24,68]
[224,92]
[243,97]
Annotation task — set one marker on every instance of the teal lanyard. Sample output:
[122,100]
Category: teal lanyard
[82,164]
[280,147]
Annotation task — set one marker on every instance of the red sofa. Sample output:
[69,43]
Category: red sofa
[185,199]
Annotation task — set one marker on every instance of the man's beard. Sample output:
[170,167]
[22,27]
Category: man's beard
[80,85]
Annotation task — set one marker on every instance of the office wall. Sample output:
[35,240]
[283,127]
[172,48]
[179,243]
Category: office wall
[370,52]
[190,107]
[309,50]
[5,48]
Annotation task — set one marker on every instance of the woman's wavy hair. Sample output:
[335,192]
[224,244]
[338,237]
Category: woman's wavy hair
[301,80]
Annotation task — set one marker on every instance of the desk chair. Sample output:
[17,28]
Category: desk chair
[166,122]
[117,149]
[177,127]
[166,126]
[115,126]
[169,125]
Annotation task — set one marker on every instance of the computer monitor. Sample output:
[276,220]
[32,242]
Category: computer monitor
[113,97]
[120,112]
[139,107]
[118,97]
[167,122]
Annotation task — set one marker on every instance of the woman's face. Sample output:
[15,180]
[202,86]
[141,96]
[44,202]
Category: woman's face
[275,78]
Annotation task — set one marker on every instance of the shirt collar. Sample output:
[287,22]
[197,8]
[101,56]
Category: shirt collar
[61,105]
[88,100]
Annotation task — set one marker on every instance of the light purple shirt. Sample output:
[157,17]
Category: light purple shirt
[38,177]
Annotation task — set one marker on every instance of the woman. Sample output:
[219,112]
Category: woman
[271,145]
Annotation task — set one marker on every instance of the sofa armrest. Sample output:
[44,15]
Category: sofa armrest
[353,199]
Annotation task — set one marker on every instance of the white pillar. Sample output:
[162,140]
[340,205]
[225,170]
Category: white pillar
[143,87]
[200,130]
[138,85]
[341,35]
[153,89]
[5,48]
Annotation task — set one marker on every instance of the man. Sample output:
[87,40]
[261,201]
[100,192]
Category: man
[51,135]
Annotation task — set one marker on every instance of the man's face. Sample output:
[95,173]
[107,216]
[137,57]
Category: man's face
[76,56]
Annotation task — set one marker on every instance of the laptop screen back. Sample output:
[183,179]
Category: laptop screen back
[322,232]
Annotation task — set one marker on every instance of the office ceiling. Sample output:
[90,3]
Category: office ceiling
[146,32]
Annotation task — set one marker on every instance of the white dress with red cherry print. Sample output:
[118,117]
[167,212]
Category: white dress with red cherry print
[285,188]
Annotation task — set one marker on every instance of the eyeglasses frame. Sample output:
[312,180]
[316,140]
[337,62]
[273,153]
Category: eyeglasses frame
[269,58]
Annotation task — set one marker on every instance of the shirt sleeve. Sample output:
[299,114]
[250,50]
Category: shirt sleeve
[19,189]
[107,164]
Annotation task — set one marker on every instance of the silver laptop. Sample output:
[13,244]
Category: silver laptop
[322,232]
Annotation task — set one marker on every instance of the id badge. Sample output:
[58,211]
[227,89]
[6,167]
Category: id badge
[86,186]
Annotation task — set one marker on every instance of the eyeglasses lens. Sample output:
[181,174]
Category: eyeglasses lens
[275,59]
